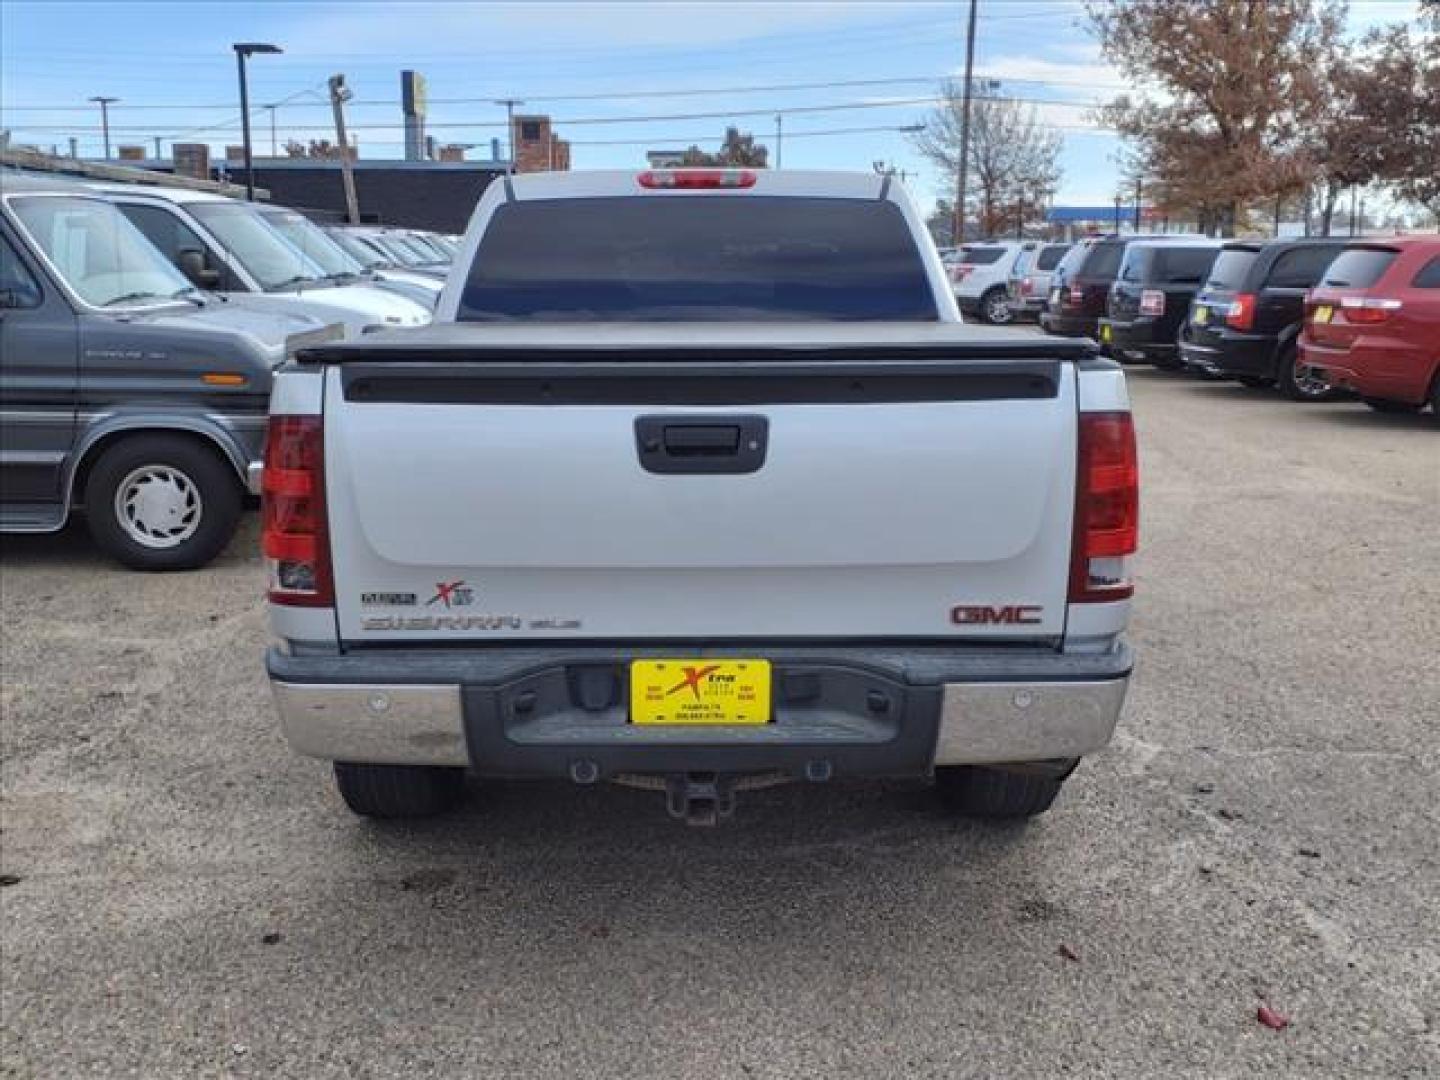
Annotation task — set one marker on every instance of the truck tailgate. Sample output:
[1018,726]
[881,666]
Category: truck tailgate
[475,501]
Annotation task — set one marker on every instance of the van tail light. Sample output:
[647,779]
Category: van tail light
[1107,509]
[1368,310]
[1027,286]
[1152,302]
[1072,298]
[696,179]
[294,533]
[1240,315]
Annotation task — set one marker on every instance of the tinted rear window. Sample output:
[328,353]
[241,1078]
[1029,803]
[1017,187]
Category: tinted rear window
[1230,268]
[982,256]
[1103,262]
[709,258]
[1301,267]
[1429,275]
[1182,265]
[1050,257]
[1359,268]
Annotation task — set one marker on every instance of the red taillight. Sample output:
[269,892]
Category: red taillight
[1240,315]
[697,179]
[1073,298]
[1027,286]
[1368,310]
[1152,302]
[293,528]
[1107,509]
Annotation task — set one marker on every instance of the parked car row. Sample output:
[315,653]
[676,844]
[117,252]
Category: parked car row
[139,329]
[998,281]
[1315,318]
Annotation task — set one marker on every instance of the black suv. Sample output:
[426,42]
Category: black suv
[1081,287]
[1246,318]
[1151,297]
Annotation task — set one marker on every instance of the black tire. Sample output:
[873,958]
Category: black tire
[201,487]
[997,792]
[1380,405]
[1254,382]
[398,791]
[1296,387]
[995,308]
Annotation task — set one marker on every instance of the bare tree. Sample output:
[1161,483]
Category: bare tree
[1014,158]
[738,148]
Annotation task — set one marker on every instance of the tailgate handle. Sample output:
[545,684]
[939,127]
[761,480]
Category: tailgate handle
[701,444]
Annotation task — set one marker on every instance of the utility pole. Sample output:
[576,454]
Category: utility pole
[158,152]
[1354,197]
[779,137]
[1139,195]
[274,146]
[339,94]
[1117,213]
[105,103]
[510,104]
[74,147]
[965,129]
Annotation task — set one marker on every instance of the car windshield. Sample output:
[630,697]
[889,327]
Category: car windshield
[356,248]
[425,243]
[1229,270]
[422,254]
[755,259]
[104,259]
[269,258]
[311,239]
[397,252]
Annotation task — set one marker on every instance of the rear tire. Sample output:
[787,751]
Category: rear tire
[1297,385]
[995,308]
[997,792]
[1380,405]
[162,502]
[398,791]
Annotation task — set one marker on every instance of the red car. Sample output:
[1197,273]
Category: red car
[1372,325]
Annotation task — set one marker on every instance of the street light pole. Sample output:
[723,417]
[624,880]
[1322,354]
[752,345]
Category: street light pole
[274,146]
[245,49]
[965,130]
[510,104]
[105,103]
[779,139]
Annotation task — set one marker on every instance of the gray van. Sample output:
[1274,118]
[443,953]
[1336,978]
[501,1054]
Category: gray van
[123,388]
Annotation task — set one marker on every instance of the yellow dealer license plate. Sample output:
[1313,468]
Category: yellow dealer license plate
[1202,315]
[1105,333]
[700,691]
[1323,313]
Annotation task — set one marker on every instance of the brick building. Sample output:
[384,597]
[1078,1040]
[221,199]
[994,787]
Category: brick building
[537,148]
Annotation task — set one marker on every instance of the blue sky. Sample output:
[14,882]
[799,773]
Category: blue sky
[172,67]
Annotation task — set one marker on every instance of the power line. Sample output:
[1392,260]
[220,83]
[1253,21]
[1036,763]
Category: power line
[619,95]
[586,121]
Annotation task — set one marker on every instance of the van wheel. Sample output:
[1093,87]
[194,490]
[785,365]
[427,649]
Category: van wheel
[162,502]
[1297,383]
[1383,406]
[995,308]
[999,791]
[398,791]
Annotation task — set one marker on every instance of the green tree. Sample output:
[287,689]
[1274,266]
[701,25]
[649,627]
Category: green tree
[736,149]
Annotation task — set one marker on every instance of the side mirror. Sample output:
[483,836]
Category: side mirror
[192,265]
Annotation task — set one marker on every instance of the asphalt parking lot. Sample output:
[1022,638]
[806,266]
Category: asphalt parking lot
[186,898]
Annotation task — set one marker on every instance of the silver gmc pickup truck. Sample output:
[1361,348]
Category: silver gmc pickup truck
[698,484]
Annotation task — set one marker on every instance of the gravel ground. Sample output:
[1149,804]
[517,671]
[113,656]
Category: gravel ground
[193,900]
